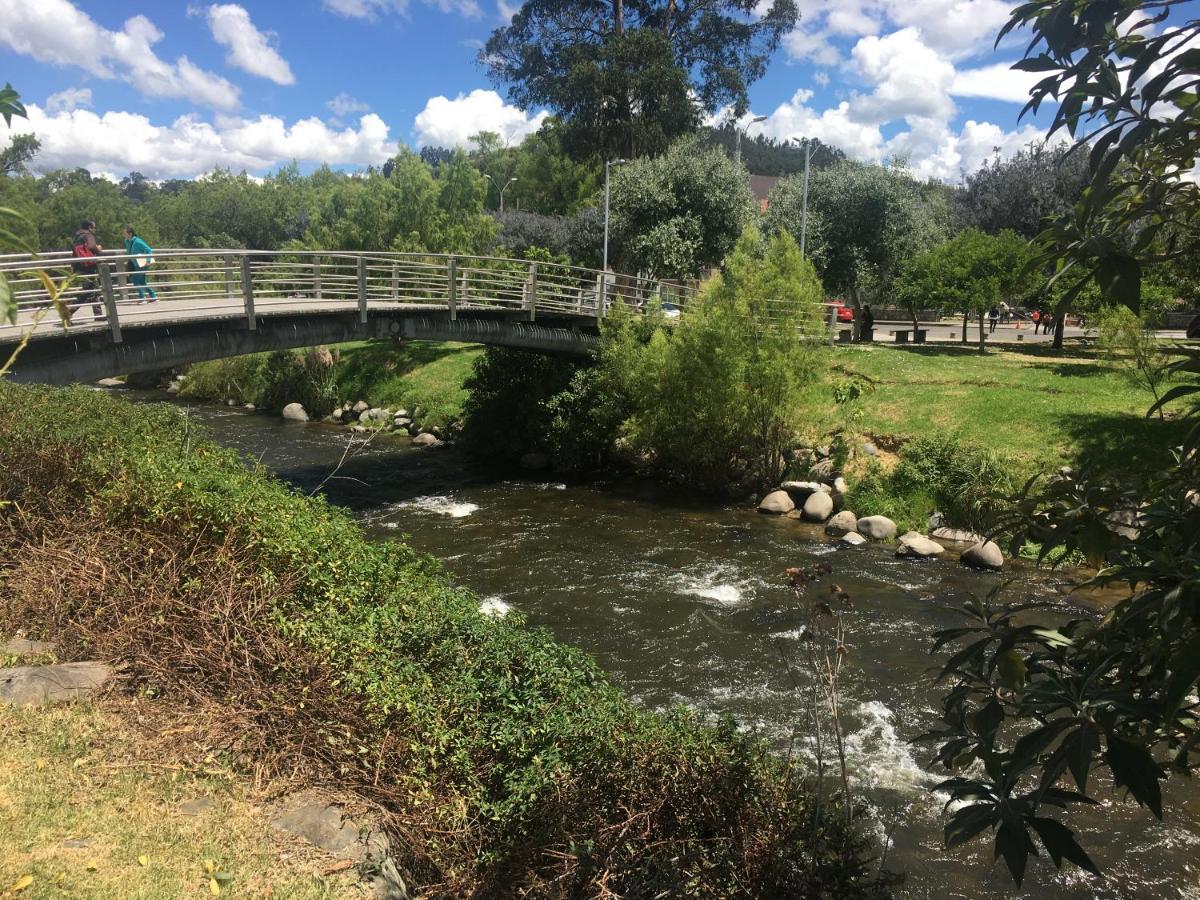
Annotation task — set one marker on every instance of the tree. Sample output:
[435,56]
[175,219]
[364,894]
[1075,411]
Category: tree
[766,156]
[622,75]
[674,215]
[1023,192]
[15,157]
[1034,705]
[871,219]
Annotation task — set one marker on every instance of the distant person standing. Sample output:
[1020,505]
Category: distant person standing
[143,256]
[993,318]
[85,251]
[1036,318]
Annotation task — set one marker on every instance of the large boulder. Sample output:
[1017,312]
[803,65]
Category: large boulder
[294,412]
[375,414]
[839,491]
[957,535]
[360,407]
[983,555]
[822,470]
[800,490]
[25,647]
[852,539]
[877,528]
[917,546]
[425,439]
[843,523]
[39,685]
[777,503]
[818,507]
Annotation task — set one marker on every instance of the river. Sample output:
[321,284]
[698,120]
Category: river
[684,601]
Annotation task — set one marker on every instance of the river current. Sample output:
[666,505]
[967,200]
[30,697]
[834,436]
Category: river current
[684,601]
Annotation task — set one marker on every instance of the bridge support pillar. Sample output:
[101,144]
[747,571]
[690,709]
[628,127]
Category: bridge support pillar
[110,303]
[248,294]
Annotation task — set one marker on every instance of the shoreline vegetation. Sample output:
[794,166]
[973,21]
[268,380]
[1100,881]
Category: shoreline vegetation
[500,760]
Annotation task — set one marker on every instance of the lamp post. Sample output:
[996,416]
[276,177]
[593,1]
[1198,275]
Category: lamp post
[737,153]
[608,164]
[502,190]
[807,145]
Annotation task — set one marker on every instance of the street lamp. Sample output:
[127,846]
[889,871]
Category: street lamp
[737,153]
[807,145]
[502,190]
[608,164]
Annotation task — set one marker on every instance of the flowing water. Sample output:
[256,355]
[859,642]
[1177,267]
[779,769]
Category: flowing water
[685,602]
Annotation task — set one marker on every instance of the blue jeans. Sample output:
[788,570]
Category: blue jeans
[138,280]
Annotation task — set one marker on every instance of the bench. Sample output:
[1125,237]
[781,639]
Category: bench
[919,335]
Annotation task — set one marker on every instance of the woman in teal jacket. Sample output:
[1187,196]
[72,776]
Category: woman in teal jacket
[138,248]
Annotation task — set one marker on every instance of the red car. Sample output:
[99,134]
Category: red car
[844,312]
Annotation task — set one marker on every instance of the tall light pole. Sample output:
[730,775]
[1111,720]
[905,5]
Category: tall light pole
[608,164]
[807,145]
[502,190]
[737,153]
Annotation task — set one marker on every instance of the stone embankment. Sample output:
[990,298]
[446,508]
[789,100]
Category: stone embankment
[821,500]
[362,418]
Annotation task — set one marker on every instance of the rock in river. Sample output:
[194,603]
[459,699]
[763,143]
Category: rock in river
[425,439]
[777,503]
[877,528]
[917,546]
[818,507]
[843,523]
[853,539]
[984,555]
[294,412]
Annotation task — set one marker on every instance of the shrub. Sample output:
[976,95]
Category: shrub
[270,380]
[504,762]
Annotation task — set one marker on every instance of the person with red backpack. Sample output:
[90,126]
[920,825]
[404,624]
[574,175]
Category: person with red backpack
[85,251]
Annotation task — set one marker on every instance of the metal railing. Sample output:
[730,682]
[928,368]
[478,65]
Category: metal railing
[197,284]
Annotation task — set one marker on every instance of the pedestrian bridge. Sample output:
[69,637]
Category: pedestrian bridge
[218,303]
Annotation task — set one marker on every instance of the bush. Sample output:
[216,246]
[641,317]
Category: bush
[268,380]
[504,762]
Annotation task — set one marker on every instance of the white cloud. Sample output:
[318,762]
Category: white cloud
[450,123]
[508,10]
[998,81]
[832,126]
[953,27]
[371,9]
[124,142]
[345,105]
[69,99]
[821,78]
[249,49]
[811,45]
[55,31]
[910,79]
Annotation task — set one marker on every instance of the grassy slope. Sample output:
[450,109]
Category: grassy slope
[1038,409]
[423,374]
[75,772]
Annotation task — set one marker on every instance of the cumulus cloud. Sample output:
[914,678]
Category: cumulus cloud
[998,81]
[189,146]
[55,31]
[955,28]
[371,9]
[345,105]
[450,123]
[71,98]
[910,79]
[249,49]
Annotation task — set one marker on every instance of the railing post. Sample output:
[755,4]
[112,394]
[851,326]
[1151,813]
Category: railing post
[452,295]
[395,282]
[316,278]
[228,276]
[248,294]
[531,291]
[362,290]
[601,290]
[110,304]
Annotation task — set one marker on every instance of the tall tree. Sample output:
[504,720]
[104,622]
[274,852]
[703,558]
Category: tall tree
[763,155]
[16,156]
[1024,192]
[628,76]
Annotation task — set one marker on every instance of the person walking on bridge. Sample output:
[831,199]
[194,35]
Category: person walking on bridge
[143,256]
[84,251]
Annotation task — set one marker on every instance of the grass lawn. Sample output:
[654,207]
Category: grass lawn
[85,813]
[1038,408]
[423,374]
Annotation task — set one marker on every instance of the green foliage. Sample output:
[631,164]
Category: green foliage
[627,79]
[1023,192]
[677,214]
[268,380]
[496,746]
[764,155]
[10,104]
[1130,346]
[21,149]
[242,379]
[718,398]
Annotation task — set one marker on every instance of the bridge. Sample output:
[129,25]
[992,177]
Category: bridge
[218,303]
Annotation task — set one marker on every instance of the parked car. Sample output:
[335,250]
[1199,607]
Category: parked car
[844,312]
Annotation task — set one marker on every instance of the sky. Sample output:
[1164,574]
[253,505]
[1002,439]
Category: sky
[174,89]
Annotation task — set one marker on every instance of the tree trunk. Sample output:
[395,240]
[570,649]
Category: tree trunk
[966,322]
[669,17]
[619,16]
[916,323]
[981,337]
[1060,322]
[856,325]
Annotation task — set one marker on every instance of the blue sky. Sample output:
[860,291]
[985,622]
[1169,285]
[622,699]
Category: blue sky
[174,89]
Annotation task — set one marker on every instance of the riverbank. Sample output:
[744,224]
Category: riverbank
[494,753]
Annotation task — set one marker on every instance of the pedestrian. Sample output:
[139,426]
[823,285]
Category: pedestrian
[85,250]
[993,318]
[1036,318]
[143,257]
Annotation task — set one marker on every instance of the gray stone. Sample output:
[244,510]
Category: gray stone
[818,507]
[800,490]
[335,416]
[311,817]
[983,555]
[294,412]
[376,415]
[389,883]
[917,546]
[843,523]
[777,503]
[535,462]
[402,414]
[197,807]
[853,539]
[25,647]
[111,383]
[1124,522]
[877,528]
[822,470]
[359,429]
[956,534]
[249,406]
[402,422]
[39,685]
[821,452]
[840,489]
[360,407]
[425,439]
[870,449]
[936,520]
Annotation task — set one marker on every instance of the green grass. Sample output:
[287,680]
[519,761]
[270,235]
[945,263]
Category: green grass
[416,374]
[1033,407]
